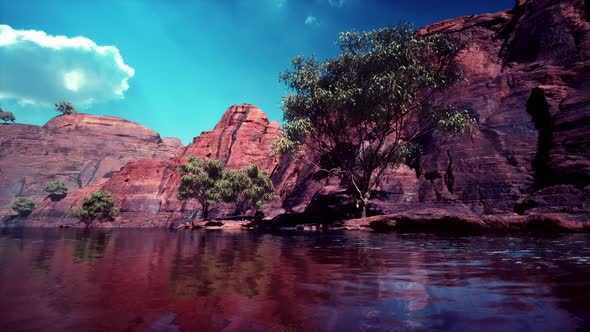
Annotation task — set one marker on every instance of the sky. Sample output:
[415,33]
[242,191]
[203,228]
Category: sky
[176,66]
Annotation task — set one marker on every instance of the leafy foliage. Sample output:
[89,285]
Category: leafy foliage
[248,187]
[200,180]
[56,189]
[98,206]
[209,183]
[368,108]
[23,206]
[65,107]
[6,116]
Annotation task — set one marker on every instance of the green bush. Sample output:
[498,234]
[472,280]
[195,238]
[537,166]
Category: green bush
[209,183]
[23,206]
[65,107]
[98,206]
[56,190]
[6,116]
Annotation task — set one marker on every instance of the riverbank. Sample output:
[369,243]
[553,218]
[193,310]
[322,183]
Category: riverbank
[427,220]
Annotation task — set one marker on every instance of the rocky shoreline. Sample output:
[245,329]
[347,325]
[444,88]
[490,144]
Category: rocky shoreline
[426,220]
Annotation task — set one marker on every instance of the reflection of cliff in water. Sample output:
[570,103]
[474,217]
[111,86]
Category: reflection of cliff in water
[135,280]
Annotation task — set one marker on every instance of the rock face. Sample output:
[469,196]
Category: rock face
[525,166]
[78,149]
[145,190]
[528,71]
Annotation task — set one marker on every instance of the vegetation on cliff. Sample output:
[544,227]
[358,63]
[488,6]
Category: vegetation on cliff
[65,107]
[98,206]
[23,206]
[368,108]
[6,116]
[56,190]
[209,183]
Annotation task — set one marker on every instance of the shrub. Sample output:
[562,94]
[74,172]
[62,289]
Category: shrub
[65,107]
[23,206]
[56,189]
[98,206]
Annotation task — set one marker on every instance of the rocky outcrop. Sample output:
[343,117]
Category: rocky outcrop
[80,149]
[459,220]
[527,72]
[145,190]
[525,166]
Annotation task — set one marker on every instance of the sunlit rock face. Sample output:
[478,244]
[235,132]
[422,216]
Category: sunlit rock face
[527,72]
[527,84]
[78,149]
[145,190]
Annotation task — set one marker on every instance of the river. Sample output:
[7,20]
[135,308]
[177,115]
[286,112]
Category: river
[206,280]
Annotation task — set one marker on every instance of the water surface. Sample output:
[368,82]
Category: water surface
[157,280]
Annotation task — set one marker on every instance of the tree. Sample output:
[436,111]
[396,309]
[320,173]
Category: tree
[209,183]
[56,189]
[23,206]
[98,206]
[6,116]
[65,107]
[368,108]
[200,180]
[248,187]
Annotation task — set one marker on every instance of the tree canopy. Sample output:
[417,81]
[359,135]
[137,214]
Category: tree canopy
[209,183]
[56,189]
[248,187]
[98,206]
[6,116]
[65,107]
[368,108]
[23,206]
[200,180]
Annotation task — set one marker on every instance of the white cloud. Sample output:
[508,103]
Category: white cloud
[338,3]
[37,68]
[311,20]
[280,3]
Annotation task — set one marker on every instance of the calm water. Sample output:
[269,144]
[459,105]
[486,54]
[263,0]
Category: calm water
[154,280]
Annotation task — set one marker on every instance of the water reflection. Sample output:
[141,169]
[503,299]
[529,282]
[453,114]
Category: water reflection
[136,280]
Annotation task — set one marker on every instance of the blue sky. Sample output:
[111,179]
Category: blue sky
[177,65]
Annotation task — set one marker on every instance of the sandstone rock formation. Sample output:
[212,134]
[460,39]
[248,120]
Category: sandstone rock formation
[527,162]
[145,190]
[77,149]
[528,71]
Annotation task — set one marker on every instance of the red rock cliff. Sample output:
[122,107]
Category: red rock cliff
[145,190]
[77,149]
[528,71]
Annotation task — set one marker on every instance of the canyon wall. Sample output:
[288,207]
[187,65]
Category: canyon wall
[139,170]
[527,72]
[78,149]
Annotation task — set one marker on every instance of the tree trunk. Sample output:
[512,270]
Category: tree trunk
[205,211]
[362,204]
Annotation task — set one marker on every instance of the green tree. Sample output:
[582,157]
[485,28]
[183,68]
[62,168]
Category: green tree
[248,187]
[6,116]
[56,189]
[98,206]
[200,180]
[23,206]
[65,107]
[368,108]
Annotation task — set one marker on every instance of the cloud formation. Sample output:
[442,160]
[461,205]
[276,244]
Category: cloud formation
[311,20]
[280,3]
[338,3]
[37,68]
